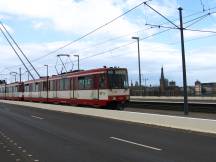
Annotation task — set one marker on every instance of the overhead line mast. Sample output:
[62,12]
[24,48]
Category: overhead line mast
[181,28]
[19,48]
[16,53]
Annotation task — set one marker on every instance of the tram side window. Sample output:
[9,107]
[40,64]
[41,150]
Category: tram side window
[40,86]
[33,87]
[72,83]
[102,81]
[61,85]
[64,84]
[44,86]
[85,82]
[88,82]
[36,87]
[81,81]
[16,89]
[76,83]
[26,88]
[21,88]
[67,84]
[53,85]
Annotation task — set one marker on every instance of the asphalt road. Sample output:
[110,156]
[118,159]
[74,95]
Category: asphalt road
[46,136]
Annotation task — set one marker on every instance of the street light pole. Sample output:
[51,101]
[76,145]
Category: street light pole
[137,38]
[47,70]
[14,74]
[77,60]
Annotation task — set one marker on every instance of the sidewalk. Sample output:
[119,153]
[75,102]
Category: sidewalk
[201,115]
[185,123]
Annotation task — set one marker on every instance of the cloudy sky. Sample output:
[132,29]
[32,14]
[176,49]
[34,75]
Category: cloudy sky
[42,27]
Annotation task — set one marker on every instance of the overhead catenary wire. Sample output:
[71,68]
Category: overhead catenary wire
[113,49]
[118,47]
[190,40]
[161,26]
[152,26]
[16,53]
[19,47]
[113,39]
[202,31]
[161,14]
[93,31]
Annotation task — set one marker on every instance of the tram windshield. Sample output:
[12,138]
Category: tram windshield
[118,79]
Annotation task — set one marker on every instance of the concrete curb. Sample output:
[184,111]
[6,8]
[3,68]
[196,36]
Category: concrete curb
[185,123]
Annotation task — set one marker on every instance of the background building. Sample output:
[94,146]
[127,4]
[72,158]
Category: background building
[198,88]
[168,88]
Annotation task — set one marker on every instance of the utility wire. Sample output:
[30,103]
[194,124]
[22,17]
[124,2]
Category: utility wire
[161,14]
[190,40]
[93,31]
[118,47]
[16,52]
[114,38]
[202,31]
[195,30]
[198,20]
[19,48]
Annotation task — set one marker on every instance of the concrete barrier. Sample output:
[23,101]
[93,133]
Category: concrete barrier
[186,123]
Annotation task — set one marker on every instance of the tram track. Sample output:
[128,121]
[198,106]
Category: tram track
[175,106]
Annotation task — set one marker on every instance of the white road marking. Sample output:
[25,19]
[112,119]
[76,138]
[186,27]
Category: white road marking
[37,117]
[134,143]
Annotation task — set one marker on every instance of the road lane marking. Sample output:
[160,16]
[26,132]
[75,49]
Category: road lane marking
[37,117]
[138,144]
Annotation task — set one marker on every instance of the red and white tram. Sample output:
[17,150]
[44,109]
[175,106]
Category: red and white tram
[98,87]
[13,91]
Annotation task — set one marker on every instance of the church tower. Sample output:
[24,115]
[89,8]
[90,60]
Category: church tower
[163,83]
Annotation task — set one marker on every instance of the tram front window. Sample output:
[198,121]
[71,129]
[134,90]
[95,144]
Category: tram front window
[118,79]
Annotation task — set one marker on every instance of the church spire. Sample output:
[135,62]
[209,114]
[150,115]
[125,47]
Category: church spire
[162,73]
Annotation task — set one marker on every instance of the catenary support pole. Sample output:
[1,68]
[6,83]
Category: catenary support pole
[183,63]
